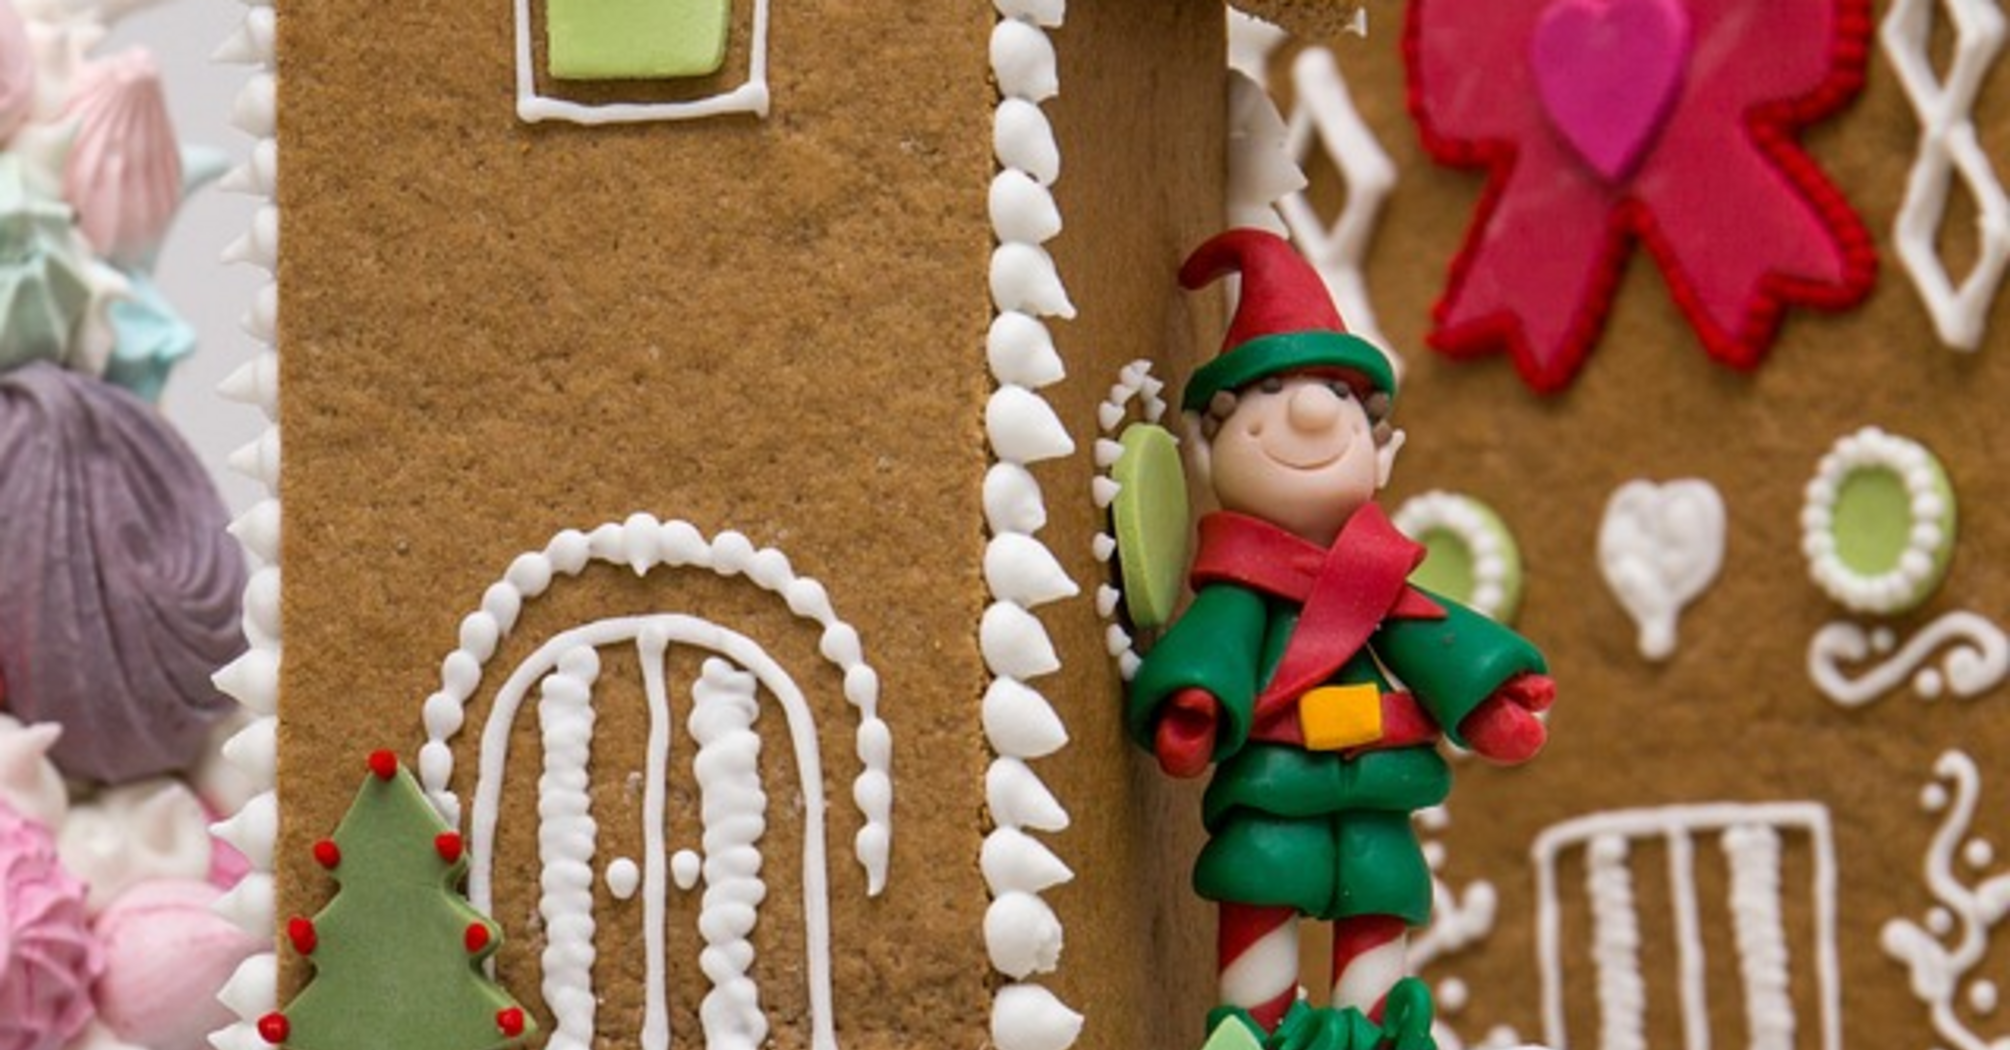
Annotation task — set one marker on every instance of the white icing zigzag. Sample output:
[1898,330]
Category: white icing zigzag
[1022,935]
[1751,836]
[1976,659]
[253,679]
[1948,149]
[1969,914]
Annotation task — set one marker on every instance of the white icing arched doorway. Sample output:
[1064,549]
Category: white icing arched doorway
[726,699]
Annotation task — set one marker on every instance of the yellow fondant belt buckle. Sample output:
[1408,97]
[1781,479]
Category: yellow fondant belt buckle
[1337,717]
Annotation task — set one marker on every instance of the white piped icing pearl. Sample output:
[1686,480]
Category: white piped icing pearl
[258,530]
[1023,278]
[1021,138]
[1022,935]
[252,680]
[1015,862]
[1029,1017]
[1023,428]
[1019,722]
[253,990]
[254,750]
[253,830]
[1019,568]
[1018,348]
[1015,643]
[1046,13]
[1022,60]
[1017,798]
[1023,210]
[1012,500]
[248,906]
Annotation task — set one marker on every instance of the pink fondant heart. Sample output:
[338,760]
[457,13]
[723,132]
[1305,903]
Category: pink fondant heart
[1608,72]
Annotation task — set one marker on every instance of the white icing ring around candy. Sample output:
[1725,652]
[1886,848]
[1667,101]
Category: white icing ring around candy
[1494,557]
[1929,541]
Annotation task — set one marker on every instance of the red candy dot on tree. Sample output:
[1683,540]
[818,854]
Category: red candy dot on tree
[327,854]
[384,764]
[476,938]
[510,1021]
[301,932]
[448,843]
[273,1028]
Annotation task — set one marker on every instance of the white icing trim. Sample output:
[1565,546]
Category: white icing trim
[1492,550]
[1021,573]
[1948,148]
[750,97]
[566,835]
[1660,546]
[642,543]
[1913,578]
[1604,837]
[1323,116]
[1969,913]
[253,679]
[703,634]
[733,812]
[1976,660]
[1459,919]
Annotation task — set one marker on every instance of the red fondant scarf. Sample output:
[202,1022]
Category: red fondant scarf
[1347,590]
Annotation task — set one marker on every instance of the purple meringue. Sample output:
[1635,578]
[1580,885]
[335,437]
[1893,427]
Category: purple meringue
[48,955]
[119,589]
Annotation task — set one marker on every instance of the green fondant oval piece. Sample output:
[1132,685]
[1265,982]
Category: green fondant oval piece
[1152,522]
[1448,567]
[1872,520]
[1452,557]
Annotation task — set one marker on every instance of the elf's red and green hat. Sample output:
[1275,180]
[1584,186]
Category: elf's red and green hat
[1285,321]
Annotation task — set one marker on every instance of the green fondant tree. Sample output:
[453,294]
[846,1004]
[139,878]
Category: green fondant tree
[398,952]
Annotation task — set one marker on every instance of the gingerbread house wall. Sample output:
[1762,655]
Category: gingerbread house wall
[1733,716]
[493,332]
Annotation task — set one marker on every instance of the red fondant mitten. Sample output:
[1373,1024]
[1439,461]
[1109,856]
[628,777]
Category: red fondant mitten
[1504,728]
[1184,741]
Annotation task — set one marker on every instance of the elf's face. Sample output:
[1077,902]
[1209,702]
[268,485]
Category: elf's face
[1297,451]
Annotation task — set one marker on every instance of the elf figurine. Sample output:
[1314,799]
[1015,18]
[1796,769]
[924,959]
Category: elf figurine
[1309,672]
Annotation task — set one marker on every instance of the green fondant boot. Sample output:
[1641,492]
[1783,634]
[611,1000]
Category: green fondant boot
[1407,1016]
[1231,1028]
[1321,1028]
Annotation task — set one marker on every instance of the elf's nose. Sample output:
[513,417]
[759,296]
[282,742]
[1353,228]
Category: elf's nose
[1314,409]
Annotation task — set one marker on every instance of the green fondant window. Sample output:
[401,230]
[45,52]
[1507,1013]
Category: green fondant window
[635,39]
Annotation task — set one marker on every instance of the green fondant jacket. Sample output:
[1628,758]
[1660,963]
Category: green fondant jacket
[1280,813]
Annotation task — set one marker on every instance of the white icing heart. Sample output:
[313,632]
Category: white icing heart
[1659,547]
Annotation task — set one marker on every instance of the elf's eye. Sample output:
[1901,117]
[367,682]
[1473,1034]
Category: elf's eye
[1341,390]
[1272,385]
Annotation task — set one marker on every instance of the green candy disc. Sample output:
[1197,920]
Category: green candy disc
[1152,523]
[1878,527]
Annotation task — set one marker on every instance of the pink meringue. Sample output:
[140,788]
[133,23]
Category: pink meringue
[48,956]
[166,956]
[124,173]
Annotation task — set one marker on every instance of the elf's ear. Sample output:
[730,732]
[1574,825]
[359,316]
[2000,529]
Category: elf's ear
[1385,458]
[1199,451]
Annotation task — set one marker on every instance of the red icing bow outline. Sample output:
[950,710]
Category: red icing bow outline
[1482,48]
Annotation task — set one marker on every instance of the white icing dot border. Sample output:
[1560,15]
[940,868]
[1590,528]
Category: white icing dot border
[643,543]
[1910,582]
[1465,518]
[1020,571]
[1135,385]
[253,679]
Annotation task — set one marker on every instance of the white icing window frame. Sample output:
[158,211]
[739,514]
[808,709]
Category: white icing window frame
[534,108]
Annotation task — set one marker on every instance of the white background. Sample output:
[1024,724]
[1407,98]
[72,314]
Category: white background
[183,34]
